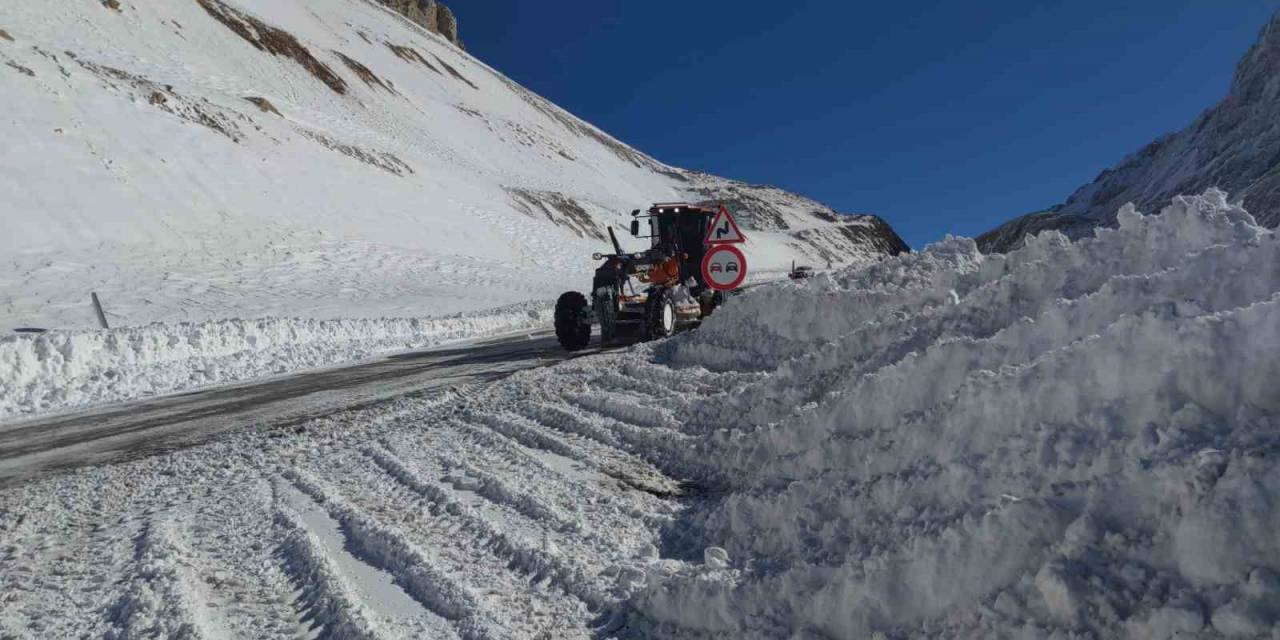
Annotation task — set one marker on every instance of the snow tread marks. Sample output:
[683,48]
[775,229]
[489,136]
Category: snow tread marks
[415,570]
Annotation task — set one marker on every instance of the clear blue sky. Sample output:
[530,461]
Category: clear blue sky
[943,117]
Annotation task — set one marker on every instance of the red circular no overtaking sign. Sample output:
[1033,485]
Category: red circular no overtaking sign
[724,267]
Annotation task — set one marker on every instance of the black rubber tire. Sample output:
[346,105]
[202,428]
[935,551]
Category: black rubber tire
[606,307]
[659,315]
[573,332]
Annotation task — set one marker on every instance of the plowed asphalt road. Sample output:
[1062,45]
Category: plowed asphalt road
[40,445]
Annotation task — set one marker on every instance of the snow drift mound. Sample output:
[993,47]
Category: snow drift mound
[66,369]
[1070,437]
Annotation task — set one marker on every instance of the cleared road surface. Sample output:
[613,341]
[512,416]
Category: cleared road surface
[155,425]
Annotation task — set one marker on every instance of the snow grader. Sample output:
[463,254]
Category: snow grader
[650,294]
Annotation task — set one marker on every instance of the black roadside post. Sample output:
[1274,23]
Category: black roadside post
[97,307]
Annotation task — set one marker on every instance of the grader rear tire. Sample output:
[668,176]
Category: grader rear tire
[573,326]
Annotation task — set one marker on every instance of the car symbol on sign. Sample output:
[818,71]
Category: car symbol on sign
[733,268]
[715,268]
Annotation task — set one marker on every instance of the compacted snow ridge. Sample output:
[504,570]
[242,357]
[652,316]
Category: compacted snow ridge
[1072,440]
[67,369]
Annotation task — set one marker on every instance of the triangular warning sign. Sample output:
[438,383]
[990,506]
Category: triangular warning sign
[724,229]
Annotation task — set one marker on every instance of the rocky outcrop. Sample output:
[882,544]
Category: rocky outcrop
[1234,146]
[430,15]
[865,233]
[815,229]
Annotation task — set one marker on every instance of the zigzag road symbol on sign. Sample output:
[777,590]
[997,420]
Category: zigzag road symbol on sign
[724,229]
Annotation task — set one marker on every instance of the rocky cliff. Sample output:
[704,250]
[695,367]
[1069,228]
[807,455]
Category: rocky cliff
[430,15]
[1234,146]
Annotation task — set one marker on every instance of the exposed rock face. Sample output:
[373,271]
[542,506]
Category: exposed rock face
[832,236]
[1234,146]
[868,231]
[431,15]
[447,24]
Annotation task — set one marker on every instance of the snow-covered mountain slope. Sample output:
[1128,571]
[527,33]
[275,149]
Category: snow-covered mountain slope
[1074,440]
[204,159]
[1234,146]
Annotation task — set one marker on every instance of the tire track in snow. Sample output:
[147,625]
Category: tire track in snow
[572,481]
[590,452]
[328,599]
[519,593]
[241,577]
[639,430]
[537,565]
[626,381]
[160,598]
[79,546]
[496,490]
[574,517]
[639,449]
[415,570]
[664,381]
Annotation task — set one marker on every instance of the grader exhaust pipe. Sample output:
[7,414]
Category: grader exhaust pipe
[617,247]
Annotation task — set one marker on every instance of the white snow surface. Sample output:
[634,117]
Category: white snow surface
[1072,440]
[388,174]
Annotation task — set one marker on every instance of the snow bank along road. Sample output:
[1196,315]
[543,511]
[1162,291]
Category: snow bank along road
[63,370]
[1069,441]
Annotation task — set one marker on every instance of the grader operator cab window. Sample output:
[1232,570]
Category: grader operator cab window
[677,226]
[689,230]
